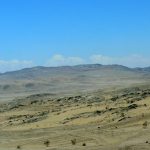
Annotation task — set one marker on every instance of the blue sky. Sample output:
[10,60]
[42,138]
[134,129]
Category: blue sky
[64,32]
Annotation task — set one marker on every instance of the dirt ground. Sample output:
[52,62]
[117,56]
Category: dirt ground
[108,120]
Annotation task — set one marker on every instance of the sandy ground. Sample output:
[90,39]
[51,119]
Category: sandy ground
[105,124]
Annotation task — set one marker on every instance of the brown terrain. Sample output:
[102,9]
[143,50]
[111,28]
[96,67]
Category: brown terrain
[90,107]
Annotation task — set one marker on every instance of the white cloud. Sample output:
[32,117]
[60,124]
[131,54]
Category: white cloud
[135,61]
[130,61]
[60,60]
[14,65]
[101,59]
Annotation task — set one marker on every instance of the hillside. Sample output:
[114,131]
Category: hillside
[85,107]
[69,79]
[106,120]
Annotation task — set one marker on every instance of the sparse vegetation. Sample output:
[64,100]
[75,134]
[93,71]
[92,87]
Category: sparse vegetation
[84,144]
[18,147]
[97,112]
[143,115]
[145,124]
[122,114]
[47,143]
[74,141]
[88,121]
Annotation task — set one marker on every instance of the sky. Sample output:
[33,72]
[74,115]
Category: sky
[71,32]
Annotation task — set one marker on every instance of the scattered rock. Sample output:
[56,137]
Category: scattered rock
[133,106]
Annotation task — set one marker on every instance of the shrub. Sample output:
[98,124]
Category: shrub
[74,141]
[122,115]
[84,144]
[97,112]
[18,147]
[46,143]
[145,124]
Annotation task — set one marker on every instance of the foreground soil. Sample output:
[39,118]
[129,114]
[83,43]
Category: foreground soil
[100,120]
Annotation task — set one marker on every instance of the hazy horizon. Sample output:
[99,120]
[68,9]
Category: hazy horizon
[30,67]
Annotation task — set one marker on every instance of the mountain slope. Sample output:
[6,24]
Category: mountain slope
[68,79]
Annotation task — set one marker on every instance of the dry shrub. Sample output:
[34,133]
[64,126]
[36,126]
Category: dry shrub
[73,141]
[145,124]
[46,143]
[84,144]
[18,147]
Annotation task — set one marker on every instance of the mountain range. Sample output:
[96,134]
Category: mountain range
[68,79]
